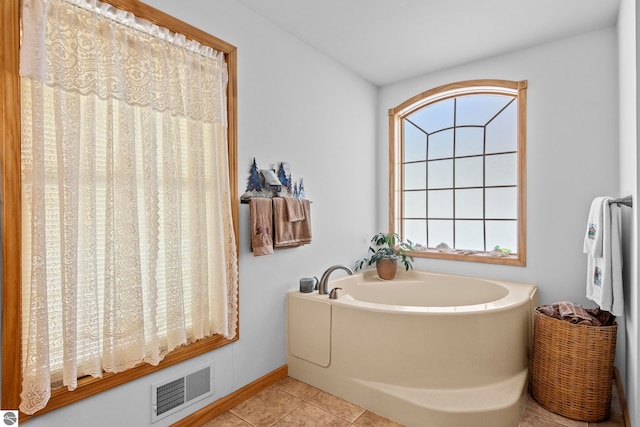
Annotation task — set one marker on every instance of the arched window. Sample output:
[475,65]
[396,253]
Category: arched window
[457,171]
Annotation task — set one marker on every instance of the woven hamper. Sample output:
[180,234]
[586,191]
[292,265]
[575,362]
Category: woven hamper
[572,370]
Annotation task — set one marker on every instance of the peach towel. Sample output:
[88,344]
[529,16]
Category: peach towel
[290,234]
[295,209]
[261,219]
[574,313]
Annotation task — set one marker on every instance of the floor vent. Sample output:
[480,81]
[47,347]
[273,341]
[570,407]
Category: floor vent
[172,395]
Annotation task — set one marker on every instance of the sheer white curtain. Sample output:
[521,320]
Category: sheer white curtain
[128,249]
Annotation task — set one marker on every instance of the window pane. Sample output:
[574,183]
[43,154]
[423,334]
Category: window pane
[415,143]
[415,204]
[470,235]
[502,169]
[503,234]
[469,203]
[501,203]
[478,109]
[469,172]
[435,116]
[502,132]
[440,232]
[469,141]
[441,144]
[440,204]
[471,164]
[415,230]
[415,176]
[440,174]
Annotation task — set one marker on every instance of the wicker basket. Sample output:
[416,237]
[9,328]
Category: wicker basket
[572,370]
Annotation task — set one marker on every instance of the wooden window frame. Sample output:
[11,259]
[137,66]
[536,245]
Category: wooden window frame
[397,115]
[11,208]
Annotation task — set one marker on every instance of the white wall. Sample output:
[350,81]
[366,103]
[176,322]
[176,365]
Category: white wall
[294,105]
[628,57]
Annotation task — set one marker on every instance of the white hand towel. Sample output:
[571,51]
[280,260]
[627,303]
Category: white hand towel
[593,235]
[604,273]
[597,273]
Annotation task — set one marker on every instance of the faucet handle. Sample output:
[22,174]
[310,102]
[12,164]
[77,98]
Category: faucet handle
[334,293]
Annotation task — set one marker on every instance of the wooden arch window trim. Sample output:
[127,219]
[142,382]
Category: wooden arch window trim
[397,114]
[10,209]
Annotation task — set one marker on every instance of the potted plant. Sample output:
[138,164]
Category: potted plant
[386,249]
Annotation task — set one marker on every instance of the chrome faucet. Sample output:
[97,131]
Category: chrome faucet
[322,284]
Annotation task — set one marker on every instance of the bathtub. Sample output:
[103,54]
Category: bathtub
[423,350]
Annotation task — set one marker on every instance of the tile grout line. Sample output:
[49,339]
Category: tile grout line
[302,401]
[334,414]
[282,417]
[308,400]
[317,392]
[276,421]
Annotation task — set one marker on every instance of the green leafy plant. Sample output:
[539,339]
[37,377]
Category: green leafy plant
[388,245]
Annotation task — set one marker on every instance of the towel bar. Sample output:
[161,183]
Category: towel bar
[246,201]
[627,201]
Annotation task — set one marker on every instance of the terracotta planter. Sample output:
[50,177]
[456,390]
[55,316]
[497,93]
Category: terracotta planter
[386,268]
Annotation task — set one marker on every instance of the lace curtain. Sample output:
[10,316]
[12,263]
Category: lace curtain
[128,249]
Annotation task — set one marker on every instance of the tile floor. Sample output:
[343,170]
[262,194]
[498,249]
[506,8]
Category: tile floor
[291,403]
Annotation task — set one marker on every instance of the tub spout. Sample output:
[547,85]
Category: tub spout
[322,284]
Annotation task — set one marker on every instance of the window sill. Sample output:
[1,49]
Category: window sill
[518,260]
[89,386]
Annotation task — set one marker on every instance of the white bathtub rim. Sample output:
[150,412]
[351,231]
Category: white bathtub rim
[518,294]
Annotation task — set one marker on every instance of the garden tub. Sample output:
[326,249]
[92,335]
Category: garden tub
[424,349]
